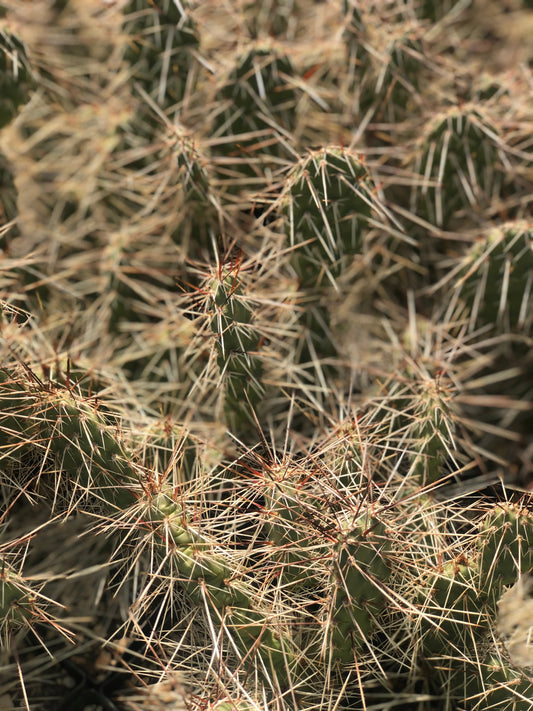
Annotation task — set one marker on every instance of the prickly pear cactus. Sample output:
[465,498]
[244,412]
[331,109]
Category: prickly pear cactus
[265,346]
[162,38]
[237,347]
[255,112]
[461,162]
[495,278]
[16,80]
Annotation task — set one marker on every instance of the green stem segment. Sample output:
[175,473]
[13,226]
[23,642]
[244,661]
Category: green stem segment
[210,579]
[89,451]
[237,345]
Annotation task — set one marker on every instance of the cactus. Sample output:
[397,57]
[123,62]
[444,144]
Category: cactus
[494,281]
[387,72]
[431,432]
[462,594]
[429,11]
[196,202]
[237,343]
[398,79]
[360,571]
[8,193]
[255,115]
[205,575]
[16,84]
[89,451]
[328,206]
[162,37]
[458,598]
[506,545]
[168,446]
[287,507]
[23,604]
[16,603]
[276,16]
[495,683]
[461,164]
[260,335]
[16,79]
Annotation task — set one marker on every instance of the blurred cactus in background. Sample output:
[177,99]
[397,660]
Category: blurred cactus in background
[255,116]
[161,39]
[16,77]
[265,387]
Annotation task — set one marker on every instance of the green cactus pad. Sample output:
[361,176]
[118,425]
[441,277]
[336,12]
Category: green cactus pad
[497,684]
[328,200]
[8,192]
[90,454]
[460,167]
[453,608]
[430,431]
[16,601]
[16,81]
[495,279]
[237,341]
[209,579]
[506,545]
[388,75]
[161,37]
[197,211]
[361,569]
[288,507]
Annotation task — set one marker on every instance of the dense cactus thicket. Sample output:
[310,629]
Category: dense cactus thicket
[266,378]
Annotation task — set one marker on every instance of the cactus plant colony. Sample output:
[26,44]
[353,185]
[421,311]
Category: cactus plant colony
[265,388]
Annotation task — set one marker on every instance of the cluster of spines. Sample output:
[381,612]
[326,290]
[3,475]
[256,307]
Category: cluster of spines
[457,598]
